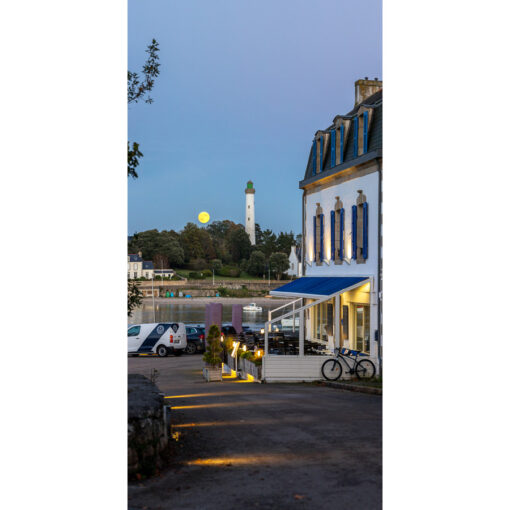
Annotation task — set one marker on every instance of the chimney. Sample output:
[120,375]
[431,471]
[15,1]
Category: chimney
[365,88]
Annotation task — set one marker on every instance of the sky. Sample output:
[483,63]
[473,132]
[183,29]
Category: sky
[243,87]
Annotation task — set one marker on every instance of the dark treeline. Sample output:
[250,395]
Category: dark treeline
[223,246]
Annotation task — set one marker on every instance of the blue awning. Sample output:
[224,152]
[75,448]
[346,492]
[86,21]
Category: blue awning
[319,286]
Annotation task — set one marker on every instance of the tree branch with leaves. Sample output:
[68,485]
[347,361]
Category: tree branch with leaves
[138,89]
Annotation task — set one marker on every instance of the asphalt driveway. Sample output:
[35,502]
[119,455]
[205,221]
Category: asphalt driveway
[267,446]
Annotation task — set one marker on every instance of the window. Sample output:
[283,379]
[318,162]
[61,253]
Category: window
[337,232]
[323,325]
[342,129]
[321,151]
[318,236]
[136,274]
[360,229]
[333,147]
[362,328]
[355,137]
[365,132]
[134,331]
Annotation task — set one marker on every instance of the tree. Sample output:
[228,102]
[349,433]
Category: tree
[137,91]
[279,263]
[267,242]
[239,245]
[284,242]
[134,297]
[257,263]
[191,240]
[216,265]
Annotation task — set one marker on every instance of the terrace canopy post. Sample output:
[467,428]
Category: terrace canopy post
[301,331]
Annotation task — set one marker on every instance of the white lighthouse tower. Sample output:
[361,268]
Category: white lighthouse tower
[249,224]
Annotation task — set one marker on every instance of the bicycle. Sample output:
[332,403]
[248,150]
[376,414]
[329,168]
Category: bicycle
[332,368]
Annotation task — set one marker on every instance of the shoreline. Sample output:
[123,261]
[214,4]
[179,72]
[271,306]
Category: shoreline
[223,300]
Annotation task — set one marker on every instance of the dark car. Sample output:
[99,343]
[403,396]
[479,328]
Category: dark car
[195,336]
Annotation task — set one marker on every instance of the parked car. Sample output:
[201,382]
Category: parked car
[161,338]
[195,337]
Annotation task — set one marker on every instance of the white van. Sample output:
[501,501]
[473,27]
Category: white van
[161,338]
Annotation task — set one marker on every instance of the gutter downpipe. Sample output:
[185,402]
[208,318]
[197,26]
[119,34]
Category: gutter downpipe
[379,271]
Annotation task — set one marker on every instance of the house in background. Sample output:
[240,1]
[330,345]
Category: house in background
[148,269]
[139,268]
[135,265]
[295,261]
[338,298]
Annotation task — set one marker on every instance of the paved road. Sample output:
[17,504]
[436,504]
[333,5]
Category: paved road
[264,446]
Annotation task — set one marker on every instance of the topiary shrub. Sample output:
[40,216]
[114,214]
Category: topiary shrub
[207,273]
[212,355]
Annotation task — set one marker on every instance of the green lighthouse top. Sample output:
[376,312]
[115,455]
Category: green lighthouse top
[249,184]
[249,187]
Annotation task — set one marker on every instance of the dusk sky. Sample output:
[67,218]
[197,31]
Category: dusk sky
[243,88]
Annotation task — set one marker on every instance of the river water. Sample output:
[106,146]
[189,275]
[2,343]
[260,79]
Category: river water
[193,313]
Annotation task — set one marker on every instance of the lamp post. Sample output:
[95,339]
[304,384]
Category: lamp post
[153,305]
[213,277]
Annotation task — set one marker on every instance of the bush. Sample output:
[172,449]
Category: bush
[207,273]
[231,271]
[197,264]
[196,276]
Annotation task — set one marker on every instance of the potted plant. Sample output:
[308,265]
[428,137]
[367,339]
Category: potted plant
[212,355]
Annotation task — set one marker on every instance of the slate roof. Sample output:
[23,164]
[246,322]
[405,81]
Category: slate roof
[134,257]
[147,264]
[374,142]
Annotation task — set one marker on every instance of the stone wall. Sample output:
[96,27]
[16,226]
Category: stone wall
[147,436]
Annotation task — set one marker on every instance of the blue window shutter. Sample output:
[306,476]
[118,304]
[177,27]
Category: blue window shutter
[342,227]
[320,155]
[314,237]
[321,253]
[365,230]
[314,158]
[355,134]
[354,231]
[333,254]
[365,132]
[342,143]
[333,148]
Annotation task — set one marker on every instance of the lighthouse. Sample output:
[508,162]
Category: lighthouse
[249,224]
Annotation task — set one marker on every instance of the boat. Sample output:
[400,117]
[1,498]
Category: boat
[287,323]
[252,307]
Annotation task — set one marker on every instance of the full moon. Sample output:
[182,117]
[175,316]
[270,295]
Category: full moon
[203,217]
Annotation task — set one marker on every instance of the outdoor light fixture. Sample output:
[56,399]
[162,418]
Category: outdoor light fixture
[244,348]
[262,331]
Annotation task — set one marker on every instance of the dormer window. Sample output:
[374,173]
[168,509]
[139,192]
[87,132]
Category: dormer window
[355,137]
[365,132]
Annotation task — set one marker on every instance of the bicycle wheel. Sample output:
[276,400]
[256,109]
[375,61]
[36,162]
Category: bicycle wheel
[331,370]
[365,369]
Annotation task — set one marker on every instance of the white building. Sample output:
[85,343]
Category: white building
[249,223]
[338,298]
[139,268]
[295,262]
